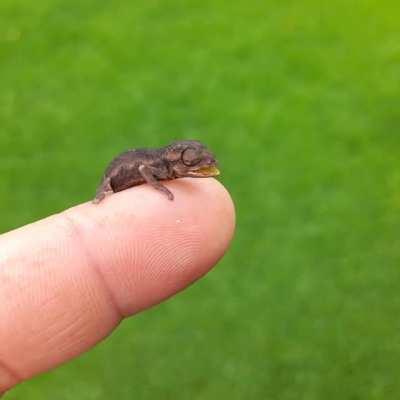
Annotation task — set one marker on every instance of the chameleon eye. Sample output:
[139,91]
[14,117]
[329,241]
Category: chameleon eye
[190,157]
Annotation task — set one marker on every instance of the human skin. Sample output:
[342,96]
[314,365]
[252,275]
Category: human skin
[68,280]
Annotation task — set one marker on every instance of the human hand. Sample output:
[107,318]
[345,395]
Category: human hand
[68,280]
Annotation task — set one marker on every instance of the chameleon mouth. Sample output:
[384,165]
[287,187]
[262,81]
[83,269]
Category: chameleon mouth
[206,171]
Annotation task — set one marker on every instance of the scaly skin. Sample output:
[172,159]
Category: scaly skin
[186,158]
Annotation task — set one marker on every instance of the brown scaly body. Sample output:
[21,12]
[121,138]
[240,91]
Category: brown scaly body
[186,158]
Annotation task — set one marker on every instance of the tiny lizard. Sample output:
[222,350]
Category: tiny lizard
[185,158]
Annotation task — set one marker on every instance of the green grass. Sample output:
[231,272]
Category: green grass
[301,103]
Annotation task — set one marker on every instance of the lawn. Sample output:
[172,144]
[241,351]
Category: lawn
[300,101]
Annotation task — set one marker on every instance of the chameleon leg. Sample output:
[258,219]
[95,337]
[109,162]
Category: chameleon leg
[148,176]
[103,189]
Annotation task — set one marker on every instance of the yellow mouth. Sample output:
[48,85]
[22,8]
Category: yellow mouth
[208,170]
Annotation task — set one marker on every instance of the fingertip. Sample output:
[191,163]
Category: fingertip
[150,248]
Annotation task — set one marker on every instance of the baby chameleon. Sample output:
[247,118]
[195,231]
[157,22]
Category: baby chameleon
[186,158]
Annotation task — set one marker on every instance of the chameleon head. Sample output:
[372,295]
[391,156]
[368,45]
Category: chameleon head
[191,158]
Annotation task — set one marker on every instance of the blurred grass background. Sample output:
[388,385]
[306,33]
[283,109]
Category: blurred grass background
[300,101]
